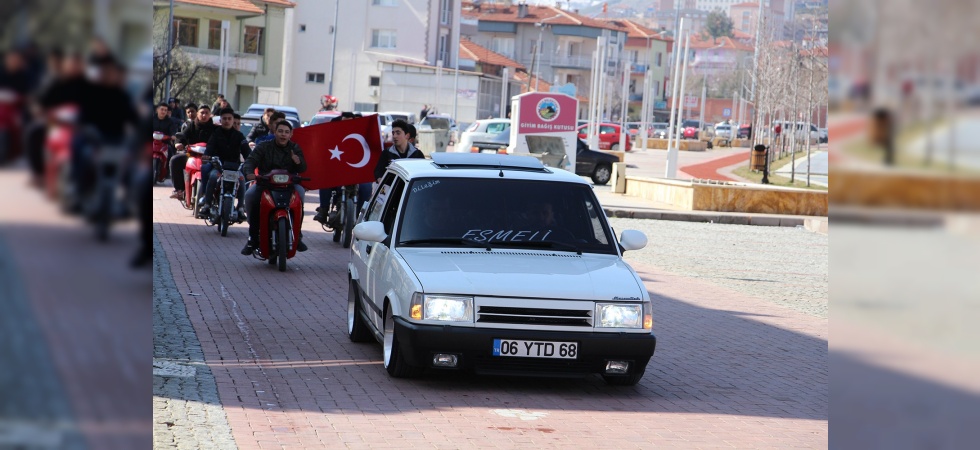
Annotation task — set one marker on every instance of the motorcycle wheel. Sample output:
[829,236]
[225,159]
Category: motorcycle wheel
[349,208]
[225,218]
[283,244]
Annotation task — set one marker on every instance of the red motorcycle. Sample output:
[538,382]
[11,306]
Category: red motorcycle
[10,123]
[192,175]
[57,149]
[280,217]
[161,144]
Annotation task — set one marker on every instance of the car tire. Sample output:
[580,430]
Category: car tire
[357,329]
[602,174]
[393,361]
[615,147]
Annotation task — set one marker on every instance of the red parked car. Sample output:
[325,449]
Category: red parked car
[608,136]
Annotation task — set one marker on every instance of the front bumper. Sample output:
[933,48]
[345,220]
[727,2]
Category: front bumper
[474,349]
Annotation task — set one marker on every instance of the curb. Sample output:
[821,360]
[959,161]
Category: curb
[815,224]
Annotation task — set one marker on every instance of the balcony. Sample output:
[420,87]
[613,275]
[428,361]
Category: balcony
[237,62]
[572,62]
[639,69]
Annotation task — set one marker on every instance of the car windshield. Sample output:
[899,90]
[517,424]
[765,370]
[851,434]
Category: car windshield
[503,213]
[322,118]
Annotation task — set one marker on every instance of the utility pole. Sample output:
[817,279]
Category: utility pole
[755,75]
[704,97]
[333,46]
[456,26]
[671,151]
[170,49]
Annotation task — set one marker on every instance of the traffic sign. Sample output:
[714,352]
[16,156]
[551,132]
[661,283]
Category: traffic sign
[727,112]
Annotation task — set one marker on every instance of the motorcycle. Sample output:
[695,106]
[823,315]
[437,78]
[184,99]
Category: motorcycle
[10,126]
[161,145]
[192,175]
[342,214]
[57,159]
[222,212]
[106,201]
[280,217]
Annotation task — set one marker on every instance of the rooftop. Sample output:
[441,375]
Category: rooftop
[535,14]
[470,50]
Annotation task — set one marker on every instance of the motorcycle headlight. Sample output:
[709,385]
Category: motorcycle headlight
[280,178]
[619,315]
[447,308]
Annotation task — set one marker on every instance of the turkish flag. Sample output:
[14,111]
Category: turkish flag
[340,153]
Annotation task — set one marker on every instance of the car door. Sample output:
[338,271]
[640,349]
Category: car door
[607,137]
[360,255]
[584,162]
[379,264]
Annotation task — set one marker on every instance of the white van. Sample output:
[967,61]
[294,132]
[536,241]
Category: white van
[803,130]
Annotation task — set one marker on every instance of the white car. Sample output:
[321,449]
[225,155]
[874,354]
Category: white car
[409,117]
[499,265]
[723,130]
[479,131]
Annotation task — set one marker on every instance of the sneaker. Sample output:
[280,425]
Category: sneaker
[202,210]
[179,195]
[248,249]
[241,214]
[320,217]
[301,247]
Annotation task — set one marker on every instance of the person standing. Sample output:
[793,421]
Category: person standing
[424,112]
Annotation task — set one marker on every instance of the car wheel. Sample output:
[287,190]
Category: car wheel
[615,147]
[357,330]
[602,174]
[393,361]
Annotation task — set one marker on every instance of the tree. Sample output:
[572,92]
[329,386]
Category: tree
[188,78]
[718,25]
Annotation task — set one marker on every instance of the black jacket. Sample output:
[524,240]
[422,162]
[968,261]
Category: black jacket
[260,129]
[268,156]
[167,126]
[392,154]
[198,132]
[227,145]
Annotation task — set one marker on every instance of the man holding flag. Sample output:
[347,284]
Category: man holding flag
[401,134]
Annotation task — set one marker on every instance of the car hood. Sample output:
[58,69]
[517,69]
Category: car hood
[522,273]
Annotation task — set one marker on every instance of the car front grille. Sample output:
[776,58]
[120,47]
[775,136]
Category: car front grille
[534,316]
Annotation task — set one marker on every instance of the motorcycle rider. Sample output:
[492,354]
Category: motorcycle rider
[200,131]
[191,110]
[273,118]
[279,153]
[226,144]
[402,133]
[261,128]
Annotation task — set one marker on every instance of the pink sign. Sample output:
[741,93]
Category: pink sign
[547,112]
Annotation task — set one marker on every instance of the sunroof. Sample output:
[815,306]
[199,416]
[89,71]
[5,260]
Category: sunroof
[486,160]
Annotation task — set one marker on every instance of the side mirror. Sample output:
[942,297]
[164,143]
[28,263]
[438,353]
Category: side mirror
[373,231]
[629,240]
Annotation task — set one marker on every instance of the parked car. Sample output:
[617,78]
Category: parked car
[384,120]
[593,164]
[255,111]
[322,117]
[822,133]
[499,265]
[659,130]
[803,131]
[723,130]
[633,128]
[437,121]
[744,131]
[409,117]
[690,133]
[481,130]
[608,136]
[496,143]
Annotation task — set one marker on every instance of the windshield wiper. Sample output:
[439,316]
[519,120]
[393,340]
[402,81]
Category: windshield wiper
[457,241]
[539,244]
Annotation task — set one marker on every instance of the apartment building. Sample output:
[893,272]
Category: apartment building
[364,38]
[255,43]
[645,49]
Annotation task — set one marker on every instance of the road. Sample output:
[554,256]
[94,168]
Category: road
[250,357]
[954,141]
[819,168]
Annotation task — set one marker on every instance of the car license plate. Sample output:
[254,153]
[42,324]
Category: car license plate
[535,349]
[229,175]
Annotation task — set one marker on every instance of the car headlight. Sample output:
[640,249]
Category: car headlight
[619,315]
[444,308]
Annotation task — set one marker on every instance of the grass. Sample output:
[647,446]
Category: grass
[866,151]
[777,180]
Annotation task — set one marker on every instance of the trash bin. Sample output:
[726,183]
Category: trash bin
[758,161]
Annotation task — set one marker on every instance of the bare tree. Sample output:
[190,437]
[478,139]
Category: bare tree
[189,78]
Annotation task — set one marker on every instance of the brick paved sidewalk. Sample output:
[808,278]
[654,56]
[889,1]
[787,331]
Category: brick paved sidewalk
[709,170]
[730,370]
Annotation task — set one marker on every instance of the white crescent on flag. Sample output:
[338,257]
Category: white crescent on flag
[364,145]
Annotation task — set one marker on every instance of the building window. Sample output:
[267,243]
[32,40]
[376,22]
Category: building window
[504,46]
[312,77]
[383,38]
[375,81]
[660,59]
[384,2]
[365,107]
[214,34]
[186,31]
[443,50]
[746,19]
[445,11]
[253,40]
[302,28]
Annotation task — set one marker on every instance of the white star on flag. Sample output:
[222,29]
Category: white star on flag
[335,153]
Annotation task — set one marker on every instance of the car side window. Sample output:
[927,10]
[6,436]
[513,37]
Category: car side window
[391,208]
[380,198]
[606,130]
